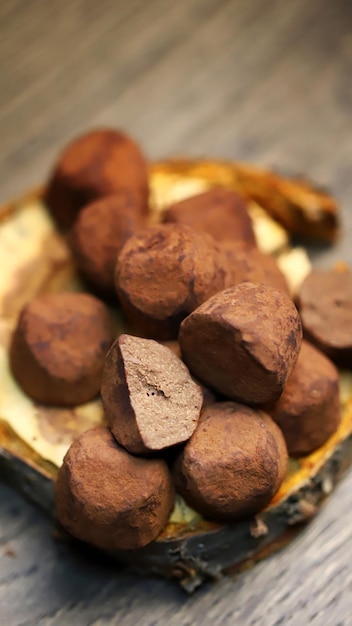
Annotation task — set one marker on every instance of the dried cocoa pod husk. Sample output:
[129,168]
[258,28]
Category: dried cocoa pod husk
[33,439]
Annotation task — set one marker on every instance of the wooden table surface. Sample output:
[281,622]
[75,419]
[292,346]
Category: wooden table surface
[263,80]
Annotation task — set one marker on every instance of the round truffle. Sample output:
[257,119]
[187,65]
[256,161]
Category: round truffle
[251,265]
[325,304]
[109,498]
[220,212]
[308,411]
[163,273]
[243,342]
[149,397]
[99,233]
[98,163]
[233,464]
[58,348]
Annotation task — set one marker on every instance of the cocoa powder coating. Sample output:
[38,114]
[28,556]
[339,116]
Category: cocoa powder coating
[325,304]
[252,265]
[149,397]
[109,498]
[243,342]
[96,164]
[233,464]
[163,273]
[309,411]
[99,232]
[220,212]
[58,348]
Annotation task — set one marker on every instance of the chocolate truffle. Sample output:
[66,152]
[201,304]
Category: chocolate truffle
[252,265]
[208,396]
[99,232]
[308,411]
[149,397]
[58,348]
[109,498]
[163,273]
[325,304]
[243,342]
[98,163]
[220,212]
[233,464]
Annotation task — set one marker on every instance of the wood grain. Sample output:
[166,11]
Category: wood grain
[262,80]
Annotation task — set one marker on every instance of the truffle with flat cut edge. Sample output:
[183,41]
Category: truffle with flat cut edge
[99,232]
[95,164]
[243,342]
[162,274]
[109,498]
[233,464]
[220,212]
[149,397]
[309,411]
[208,396]
[251,265]
[58,348]
[325,305]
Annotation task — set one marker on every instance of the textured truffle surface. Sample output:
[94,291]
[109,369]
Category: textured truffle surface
[325,304]
[252,265]
[58,348]
[109,498]
[308,411]
[149,397]
[243,342]
[208,396]
[98,163]
[233,464]
[163,273]
[220,212]
[99,232]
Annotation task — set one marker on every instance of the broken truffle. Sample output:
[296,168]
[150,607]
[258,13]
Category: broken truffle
[208,396]
[243,342]
[308,411]
[233,464]
[98,163]
[109,498]
[58,348]
[149,397]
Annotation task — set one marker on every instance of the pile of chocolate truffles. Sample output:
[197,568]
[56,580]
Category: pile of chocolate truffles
[211,388]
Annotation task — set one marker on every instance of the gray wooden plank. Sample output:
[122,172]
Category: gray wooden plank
[312,578]
[264,80]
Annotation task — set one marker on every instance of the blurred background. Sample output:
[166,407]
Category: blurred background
[266,81]
[263,80]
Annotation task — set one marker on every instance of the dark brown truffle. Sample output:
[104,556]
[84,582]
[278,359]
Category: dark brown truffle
[325,304]
[58,348]
[110,499]
[98,163]
[208,396]
[149,397]
[233,464]
[99,233]
[243,342]
[163,273]
[220,212]
[308,411]
[252,265]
